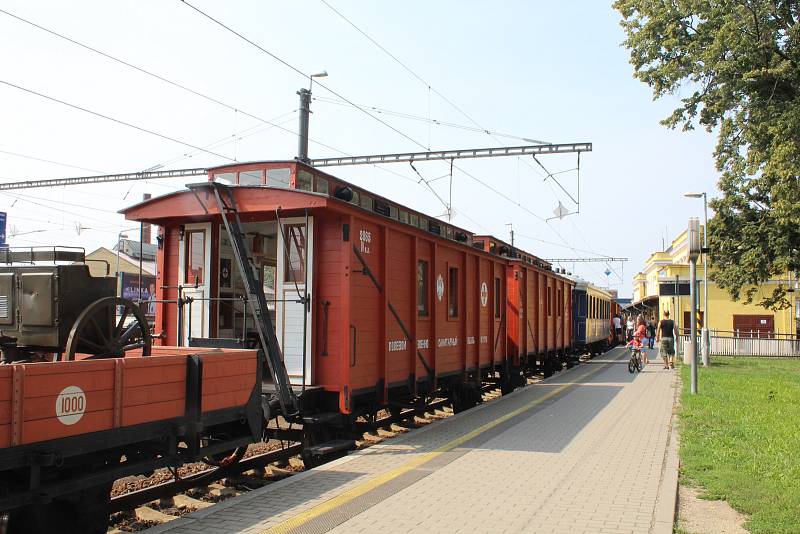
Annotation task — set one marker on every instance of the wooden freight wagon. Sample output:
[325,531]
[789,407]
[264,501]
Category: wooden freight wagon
[538,310]
[69,429]
[372,303]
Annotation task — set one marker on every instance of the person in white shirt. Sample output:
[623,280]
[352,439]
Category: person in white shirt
[629,326]
[618,327]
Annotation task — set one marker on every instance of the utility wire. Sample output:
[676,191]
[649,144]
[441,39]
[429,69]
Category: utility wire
[112,119]
[429,120]
[298,71]
[34,158]
[150,73]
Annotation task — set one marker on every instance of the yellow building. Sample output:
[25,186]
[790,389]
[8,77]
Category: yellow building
[654,289]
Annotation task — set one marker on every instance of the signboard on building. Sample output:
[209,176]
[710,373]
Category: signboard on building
[668,289]
[130,290]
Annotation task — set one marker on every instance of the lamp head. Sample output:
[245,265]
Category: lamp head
[693,195]
[323,74]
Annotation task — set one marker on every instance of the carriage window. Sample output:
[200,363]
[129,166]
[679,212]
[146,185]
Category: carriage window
[366,202]
[559,303]
[422,288]
[322,185]
[497,297]
[452,293]
[279,178]
[195,256]
[403,216]
[304,180]
[413,219]
[251,177]
[295,261]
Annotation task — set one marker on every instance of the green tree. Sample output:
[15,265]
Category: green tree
[739,63]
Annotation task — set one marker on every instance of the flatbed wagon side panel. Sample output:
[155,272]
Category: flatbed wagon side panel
[153,389]
[228,379]
[6,385]
[331,299]
[449,310]
[57,400]
[365,307]
[426,298]
[399,272]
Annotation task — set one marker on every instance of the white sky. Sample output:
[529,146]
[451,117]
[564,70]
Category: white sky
[544,70]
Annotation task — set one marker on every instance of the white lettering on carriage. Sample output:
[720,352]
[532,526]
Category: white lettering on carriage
[400,344]
[470,340]
[484,339]
[366,238]
[422,343]
[447,342]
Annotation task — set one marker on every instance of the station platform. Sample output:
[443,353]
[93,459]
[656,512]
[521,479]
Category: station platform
[587,450]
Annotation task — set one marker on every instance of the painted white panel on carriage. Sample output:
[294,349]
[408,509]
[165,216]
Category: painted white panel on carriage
[289,312]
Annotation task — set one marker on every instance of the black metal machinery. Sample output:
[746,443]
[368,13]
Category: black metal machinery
[52,308]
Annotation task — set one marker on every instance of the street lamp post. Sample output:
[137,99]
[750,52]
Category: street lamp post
[704,334]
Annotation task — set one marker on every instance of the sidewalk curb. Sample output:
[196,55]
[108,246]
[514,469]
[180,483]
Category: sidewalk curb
[667,504]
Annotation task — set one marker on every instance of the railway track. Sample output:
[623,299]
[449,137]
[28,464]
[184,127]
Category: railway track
[145,507]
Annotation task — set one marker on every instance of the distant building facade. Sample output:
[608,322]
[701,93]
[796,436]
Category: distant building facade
[663,284]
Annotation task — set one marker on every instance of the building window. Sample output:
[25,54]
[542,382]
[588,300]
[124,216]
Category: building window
[422,288]
[497,299]
[195,257]
[452,293]
[295,265]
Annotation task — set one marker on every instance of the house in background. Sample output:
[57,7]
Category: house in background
[123,262]
[663,284]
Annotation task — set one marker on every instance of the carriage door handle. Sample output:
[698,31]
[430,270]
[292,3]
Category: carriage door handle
[355,341]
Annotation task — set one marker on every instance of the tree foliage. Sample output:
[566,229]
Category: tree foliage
[739,63]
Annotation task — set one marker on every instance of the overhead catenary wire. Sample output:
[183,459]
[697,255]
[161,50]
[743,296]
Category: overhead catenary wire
[112,119]
[456,107]
[44,160]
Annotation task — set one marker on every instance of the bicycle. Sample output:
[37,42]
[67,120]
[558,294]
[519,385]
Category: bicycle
[635,363]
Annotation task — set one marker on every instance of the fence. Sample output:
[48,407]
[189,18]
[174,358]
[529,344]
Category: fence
[736,344]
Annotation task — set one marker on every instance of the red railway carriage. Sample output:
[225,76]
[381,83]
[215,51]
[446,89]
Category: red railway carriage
[538,309]
[372,303]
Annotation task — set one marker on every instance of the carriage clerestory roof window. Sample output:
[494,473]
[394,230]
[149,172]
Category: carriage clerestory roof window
[279,177]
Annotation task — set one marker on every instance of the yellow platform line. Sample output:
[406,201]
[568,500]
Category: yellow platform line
[361,489]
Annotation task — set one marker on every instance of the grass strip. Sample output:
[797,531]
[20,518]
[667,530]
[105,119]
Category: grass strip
[740,438]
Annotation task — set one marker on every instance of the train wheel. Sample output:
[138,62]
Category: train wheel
[98,332]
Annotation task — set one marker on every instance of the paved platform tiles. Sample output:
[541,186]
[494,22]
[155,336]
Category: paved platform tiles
[584,451]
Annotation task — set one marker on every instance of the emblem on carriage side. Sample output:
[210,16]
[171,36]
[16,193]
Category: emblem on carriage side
[439,287]
[70,405]
[484,294]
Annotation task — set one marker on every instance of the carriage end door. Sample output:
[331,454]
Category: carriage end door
[295,268]
[194,274]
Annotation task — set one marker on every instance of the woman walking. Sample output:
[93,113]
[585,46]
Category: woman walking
[651,331]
